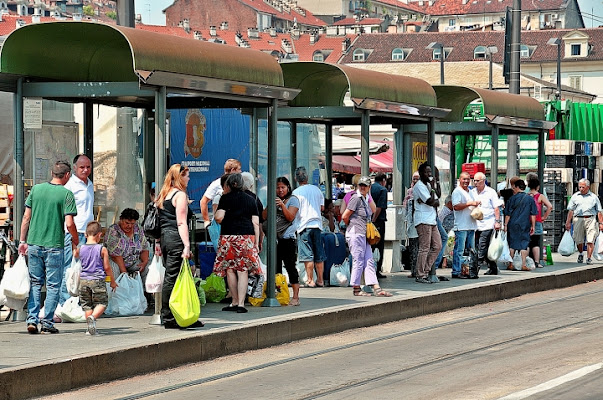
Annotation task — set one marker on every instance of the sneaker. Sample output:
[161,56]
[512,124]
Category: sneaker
[32,328]
[422,280]
[91,325]
[49,329]
[589,261]
[580,259]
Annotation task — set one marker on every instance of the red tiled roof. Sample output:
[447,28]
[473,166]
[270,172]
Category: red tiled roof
[308,19]
[456,7]
[9,22]
[354,21]
[464,43]
[325,43]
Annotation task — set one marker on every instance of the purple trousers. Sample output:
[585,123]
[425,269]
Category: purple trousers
[430,244]
[362,260]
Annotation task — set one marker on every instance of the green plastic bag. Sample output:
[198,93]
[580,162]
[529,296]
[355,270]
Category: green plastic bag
[198,283]
[215,288]
[184,300]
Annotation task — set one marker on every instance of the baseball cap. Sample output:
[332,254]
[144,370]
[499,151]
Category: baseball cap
[364,180]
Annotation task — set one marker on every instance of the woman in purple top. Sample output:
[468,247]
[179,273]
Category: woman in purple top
[358,212]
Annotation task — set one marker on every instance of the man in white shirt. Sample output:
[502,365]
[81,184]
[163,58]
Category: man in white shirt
[83,191]
[464,224]
[309,227]
[231,166]
[430,243]
[490,203]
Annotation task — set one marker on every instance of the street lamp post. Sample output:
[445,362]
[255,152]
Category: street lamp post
[490,50]
[435,45]
[557,42]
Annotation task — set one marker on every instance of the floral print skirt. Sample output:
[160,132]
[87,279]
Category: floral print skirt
[237,252]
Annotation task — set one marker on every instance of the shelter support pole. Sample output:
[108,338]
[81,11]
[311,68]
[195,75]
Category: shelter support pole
[541,144]
[364,142]
[254,143]
[19,203]
[271,239]
[452,162]
[431,143]
[329,160]
[494,158]
[398,169]
[160,168]
[89,134]
[293,152]
[148,153]
[406,152]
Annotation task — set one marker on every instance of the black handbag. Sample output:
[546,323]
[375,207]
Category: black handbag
[151,224]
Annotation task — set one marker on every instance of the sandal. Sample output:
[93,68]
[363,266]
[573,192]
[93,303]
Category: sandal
[310,284]
[294,302]
[379,292]
[359,292]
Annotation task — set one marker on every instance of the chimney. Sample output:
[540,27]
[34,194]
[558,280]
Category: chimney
[286,45]
[313,37]
[253,33]
[345,44]
[138,19]
[295,33]
[77,17]
[273,32]
[186,25]
[224,26]
[19,23]
[213,31]
[35,19]
[197,35]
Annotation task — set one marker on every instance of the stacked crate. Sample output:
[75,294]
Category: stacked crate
[4,204]
[553,226]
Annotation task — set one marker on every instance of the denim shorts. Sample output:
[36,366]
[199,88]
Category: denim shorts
[93,293]
[309,246]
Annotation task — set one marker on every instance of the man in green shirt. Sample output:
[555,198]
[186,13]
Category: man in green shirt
[48,208]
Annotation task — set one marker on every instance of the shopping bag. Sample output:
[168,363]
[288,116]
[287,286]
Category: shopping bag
[72,278]
[155,275]
[215,288]
[282,289]
[598,253]
[303,276]
[214,233]
[16,280]
[530,263]
[184,300]
[505,255]
[372,234]
[71,311]
[255,285]
[517,261]
[340,274]
[258,301]
[496,246]
[567,247]
[199,285]
[128,298]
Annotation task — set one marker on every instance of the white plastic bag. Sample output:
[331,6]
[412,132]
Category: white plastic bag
[16,280]
[598,253]
[128,298]
[303,276]
[517,261]
[72,279]
[567,247]
[505,255]
[71,311]
[530,263]
[154,280]
[2,296]
[340,274]
[495,248]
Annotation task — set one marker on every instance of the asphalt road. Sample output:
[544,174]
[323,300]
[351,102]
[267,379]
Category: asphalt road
[546,345]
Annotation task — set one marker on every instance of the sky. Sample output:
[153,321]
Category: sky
[150,10]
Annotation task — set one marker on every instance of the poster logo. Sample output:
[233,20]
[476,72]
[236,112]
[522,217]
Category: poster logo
[195,133]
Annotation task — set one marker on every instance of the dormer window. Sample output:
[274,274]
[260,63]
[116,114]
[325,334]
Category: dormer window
[437,52]
[358,55]
[398,55]
[479,53]
[576,50]
[318,56]
[524,51]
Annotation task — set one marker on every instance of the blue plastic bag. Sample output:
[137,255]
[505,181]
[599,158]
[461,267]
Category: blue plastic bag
[214,233]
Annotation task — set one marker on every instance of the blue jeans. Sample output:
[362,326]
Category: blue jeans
[463,239]
[64,294]
[444,237]
[45,266]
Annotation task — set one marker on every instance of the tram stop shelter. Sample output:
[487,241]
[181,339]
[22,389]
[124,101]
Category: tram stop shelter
[505,114]
[339,94]
[92,63]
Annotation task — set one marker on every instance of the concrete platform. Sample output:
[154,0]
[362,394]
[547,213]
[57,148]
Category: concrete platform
[35,365]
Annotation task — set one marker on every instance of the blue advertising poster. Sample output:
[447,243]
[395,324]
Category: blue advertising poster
[203,139]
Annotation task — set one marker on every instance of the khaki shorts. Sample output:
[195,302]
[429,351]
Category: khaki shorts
[93,293]
[585,227]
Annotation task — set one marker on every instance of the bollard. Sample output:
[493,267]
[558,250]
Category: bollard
[156,318]
[549,255]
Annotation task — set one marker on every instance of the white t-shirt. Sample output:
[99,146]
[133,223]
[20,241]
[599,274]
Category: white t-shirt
[84,202]
[310,202]
[490,201]
[462,218]
[424,214]
[213,190]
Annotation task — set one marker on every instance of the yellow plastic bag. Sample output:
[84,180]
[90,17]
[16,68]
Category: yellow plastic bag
[256,301]
[282,289]
[372,234]
[184,300]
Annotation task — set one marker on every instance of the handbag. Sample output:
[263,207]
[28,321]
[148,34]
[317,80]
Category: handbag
[151,224]
[372,234]
[184,300]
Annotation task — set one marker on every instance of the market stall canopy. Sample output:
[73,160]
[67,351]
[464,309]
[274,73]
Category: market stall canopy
[382,162]
[351,146]
[94,52]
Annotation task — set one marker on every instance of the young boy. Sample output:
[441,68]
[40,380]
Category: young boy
[95,268]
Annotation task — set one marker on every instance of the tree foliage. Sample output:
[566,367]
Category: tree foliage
[111,14]
[88,10]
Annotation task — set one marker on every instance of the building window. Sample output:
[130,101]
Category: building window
[398,55]
[576,49]
[358,55]
[318,56]
[452,22]
[525,51]
[576,81]
[437,51]
[479,53]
